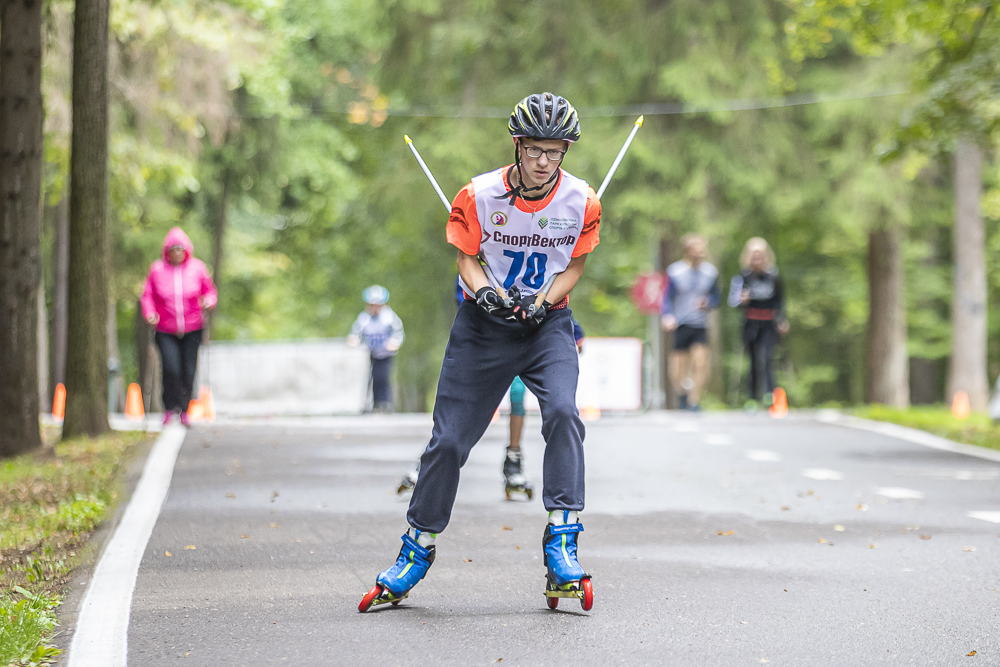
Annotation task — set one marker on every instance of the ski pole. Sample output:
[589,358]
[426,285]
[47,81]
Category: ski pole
[600,192]
[444,200]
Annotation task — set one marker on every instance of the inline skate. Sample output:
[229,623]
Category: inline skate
[393,585]
[565,578]
[514,480]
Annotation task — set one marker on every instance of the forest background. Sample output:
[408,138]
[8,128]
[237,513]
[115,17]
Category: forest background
[271,131]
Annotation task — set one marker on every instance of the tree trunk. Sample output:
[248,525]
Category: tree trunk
[44,397]
[968,311]
[60,273]
[888,364]
[218,238]
[21,114]
[87,349]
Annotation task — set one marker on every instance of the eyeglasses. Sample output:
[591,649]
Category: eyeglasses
[535,152]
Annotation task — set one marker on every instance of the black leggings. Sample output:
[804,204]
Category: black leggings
[180,360]
[760,338]
[381,389]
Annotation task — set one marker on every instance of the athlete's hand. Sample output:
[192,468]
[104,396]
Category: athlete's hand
[153,319]
[783,327]
[488,299]
[669,323]
[527,313]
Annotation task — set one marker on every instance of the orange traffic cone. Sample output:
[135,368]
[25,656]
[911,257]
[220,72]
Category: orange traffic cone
[779,404]
[134,409]
[591,413]
[202,409]
[960,407]
[59,402]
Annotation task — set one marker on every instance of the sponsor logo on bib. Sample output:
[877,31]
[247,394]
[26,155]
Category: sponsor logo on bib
[499,219]
[543,222]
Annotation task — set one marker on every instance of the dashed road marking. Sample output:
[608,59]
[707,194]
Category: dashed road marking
[823,474]
[718,439]
[992,517]
[763,455]
[898,493]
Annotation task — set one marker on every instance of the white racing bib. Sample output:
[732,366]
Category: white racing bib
[526,249]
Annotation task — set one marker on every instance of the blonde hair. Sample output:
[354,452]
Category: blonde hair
[690,238]
[754,244]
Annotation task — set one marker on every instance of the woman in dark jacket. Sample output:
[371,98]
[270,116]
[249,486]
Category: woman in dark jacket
[758,290]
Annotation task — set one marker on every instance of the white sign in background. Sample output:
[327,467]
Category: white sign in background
[610,376]
[326,376]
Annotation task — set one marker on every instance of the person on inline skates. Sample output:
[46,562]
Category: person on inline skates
[529,220]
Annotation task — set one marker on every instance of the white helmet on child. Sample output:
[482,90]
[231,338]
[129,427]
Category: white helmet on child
[376,295]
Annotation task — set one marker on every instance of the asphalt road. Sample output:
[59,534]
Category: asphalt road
[720,540]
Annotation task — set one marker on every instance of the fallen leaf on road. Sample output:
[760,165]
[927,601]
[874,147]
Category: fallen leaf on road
[925,537]
[517,546]
[822,541]
[506,528]
[167,554]
[273,496]
[274,525]
[230,495]
[969,654]
[244,537]
[498,660]
[785,508]
[871,546]
[839,528]
[968,548]
[468,560]
[862,507]
[190,547]
[725,532]
[312,552]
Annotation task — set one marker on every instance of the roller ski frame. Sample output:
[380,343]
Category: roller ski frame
[514,481]
[582,588]
[410,554]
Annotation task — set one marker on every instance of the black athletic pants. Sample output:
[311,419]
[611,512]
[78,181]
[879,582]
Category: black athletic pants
[760,338]
[381,389]
[180,360]
[483,357]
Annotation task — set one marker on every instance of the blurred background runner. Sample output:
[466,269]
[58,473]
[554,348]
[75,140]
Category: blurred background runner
[381,330]
[758,290]
[178,288]
[692,290]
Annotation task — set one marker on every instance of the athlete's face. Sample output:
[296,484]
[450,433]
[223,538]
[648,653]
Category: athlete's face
[373,308]
[696,251]
[538,170]
[758,262]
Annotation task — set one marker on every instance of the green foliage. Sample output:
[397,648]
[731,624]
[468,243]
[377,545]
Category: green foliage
[978,429]
[27,623]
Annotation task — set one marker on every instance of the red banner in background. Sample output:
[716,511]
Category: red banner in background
[647,292]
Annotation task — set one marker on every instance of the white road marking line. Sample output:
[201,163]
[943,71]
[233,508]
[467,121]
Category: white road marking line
[898,493]
[763,455]
[992,517]
[718,439]
[101,635]
[823,474]
[687,426]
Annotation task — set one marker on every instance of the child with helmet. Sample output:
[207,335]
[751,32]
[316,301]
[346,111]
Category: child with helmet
[528,221]
[381,330]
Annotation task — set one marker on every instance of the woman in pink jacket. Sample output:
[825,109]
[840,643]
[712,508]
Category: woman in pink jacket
[178,289]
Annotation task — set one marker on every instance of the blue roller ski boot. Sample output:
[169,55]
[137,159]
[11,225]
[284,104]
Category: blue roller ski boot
[565,578]
[394,584]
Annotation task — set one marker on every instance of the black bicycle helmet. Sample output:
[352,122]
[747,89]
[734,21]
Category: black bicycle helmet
[545,116]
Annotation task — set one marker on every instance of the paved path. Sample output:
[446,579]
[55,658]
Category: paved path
[721,540]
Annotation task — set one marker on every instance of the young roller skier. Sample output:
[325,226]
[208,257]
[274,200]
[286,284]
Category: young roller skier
[530,220]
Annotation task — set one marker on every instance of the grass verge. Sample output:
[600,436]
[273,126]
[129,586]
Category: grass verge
[978,429]
[51,501]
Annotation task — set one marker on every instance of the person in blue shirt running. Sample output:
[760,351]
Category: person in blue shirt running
[692,290]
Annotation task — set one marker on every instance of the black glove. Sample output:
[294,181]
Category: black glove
[527,313]
[488,299]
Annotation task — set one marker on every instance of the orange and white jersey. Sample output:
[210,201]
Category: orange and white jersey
[529,242]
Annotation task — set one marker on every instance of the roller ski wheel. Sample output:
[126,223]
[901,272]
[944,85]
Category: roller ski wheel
[525,489]
[582,590]
[408,481]
[379,595]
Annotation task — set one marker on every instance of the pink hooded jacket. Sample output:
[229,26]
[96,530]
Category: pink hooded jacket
[174,292]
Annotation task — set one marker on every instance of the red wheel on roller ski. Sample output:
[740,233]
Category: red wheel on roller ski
[395,603]
[552,602]
[588,595]
[366,601]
